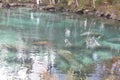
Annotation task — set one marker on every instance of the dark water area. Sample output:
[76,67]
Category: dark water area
[63,44]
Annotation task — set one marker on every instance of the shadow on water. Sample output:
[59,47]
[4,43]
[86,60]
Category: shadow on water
[57,46]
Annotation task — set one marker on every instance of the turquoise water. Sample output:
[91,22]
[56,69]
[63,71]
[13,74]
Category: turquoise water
[66,41]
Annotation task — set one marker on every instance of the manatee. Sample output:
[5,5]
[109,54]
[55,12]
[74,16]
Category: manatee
[95,34]
[68,56]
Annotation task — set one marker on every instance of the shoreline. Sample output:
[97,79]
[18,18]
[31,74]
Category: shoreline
[42,7]
[89,12]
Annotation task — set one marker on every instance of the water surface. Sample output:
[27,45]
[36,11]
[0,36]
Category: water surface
[61,42]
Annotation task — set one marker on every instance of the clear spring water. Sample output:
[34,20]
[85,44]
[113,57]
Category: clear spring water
[59,40]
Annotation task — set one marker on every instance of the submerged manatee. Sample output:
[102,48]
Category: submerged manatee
[95,34]
[68,56]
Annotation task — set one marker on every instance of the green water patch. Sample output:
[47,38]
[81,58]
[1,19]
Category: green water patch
[87,60]
[62,64]
[21,28]
[103,55]
[8,37]
[11,56]
[20,23]
[110,45]
[114,40]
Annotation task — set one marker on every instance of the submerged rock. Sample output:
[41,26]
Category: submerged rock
[41,43]
[112,77]
[114,62]
[105,70]
[113,68]
[80,11]
[6,5]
